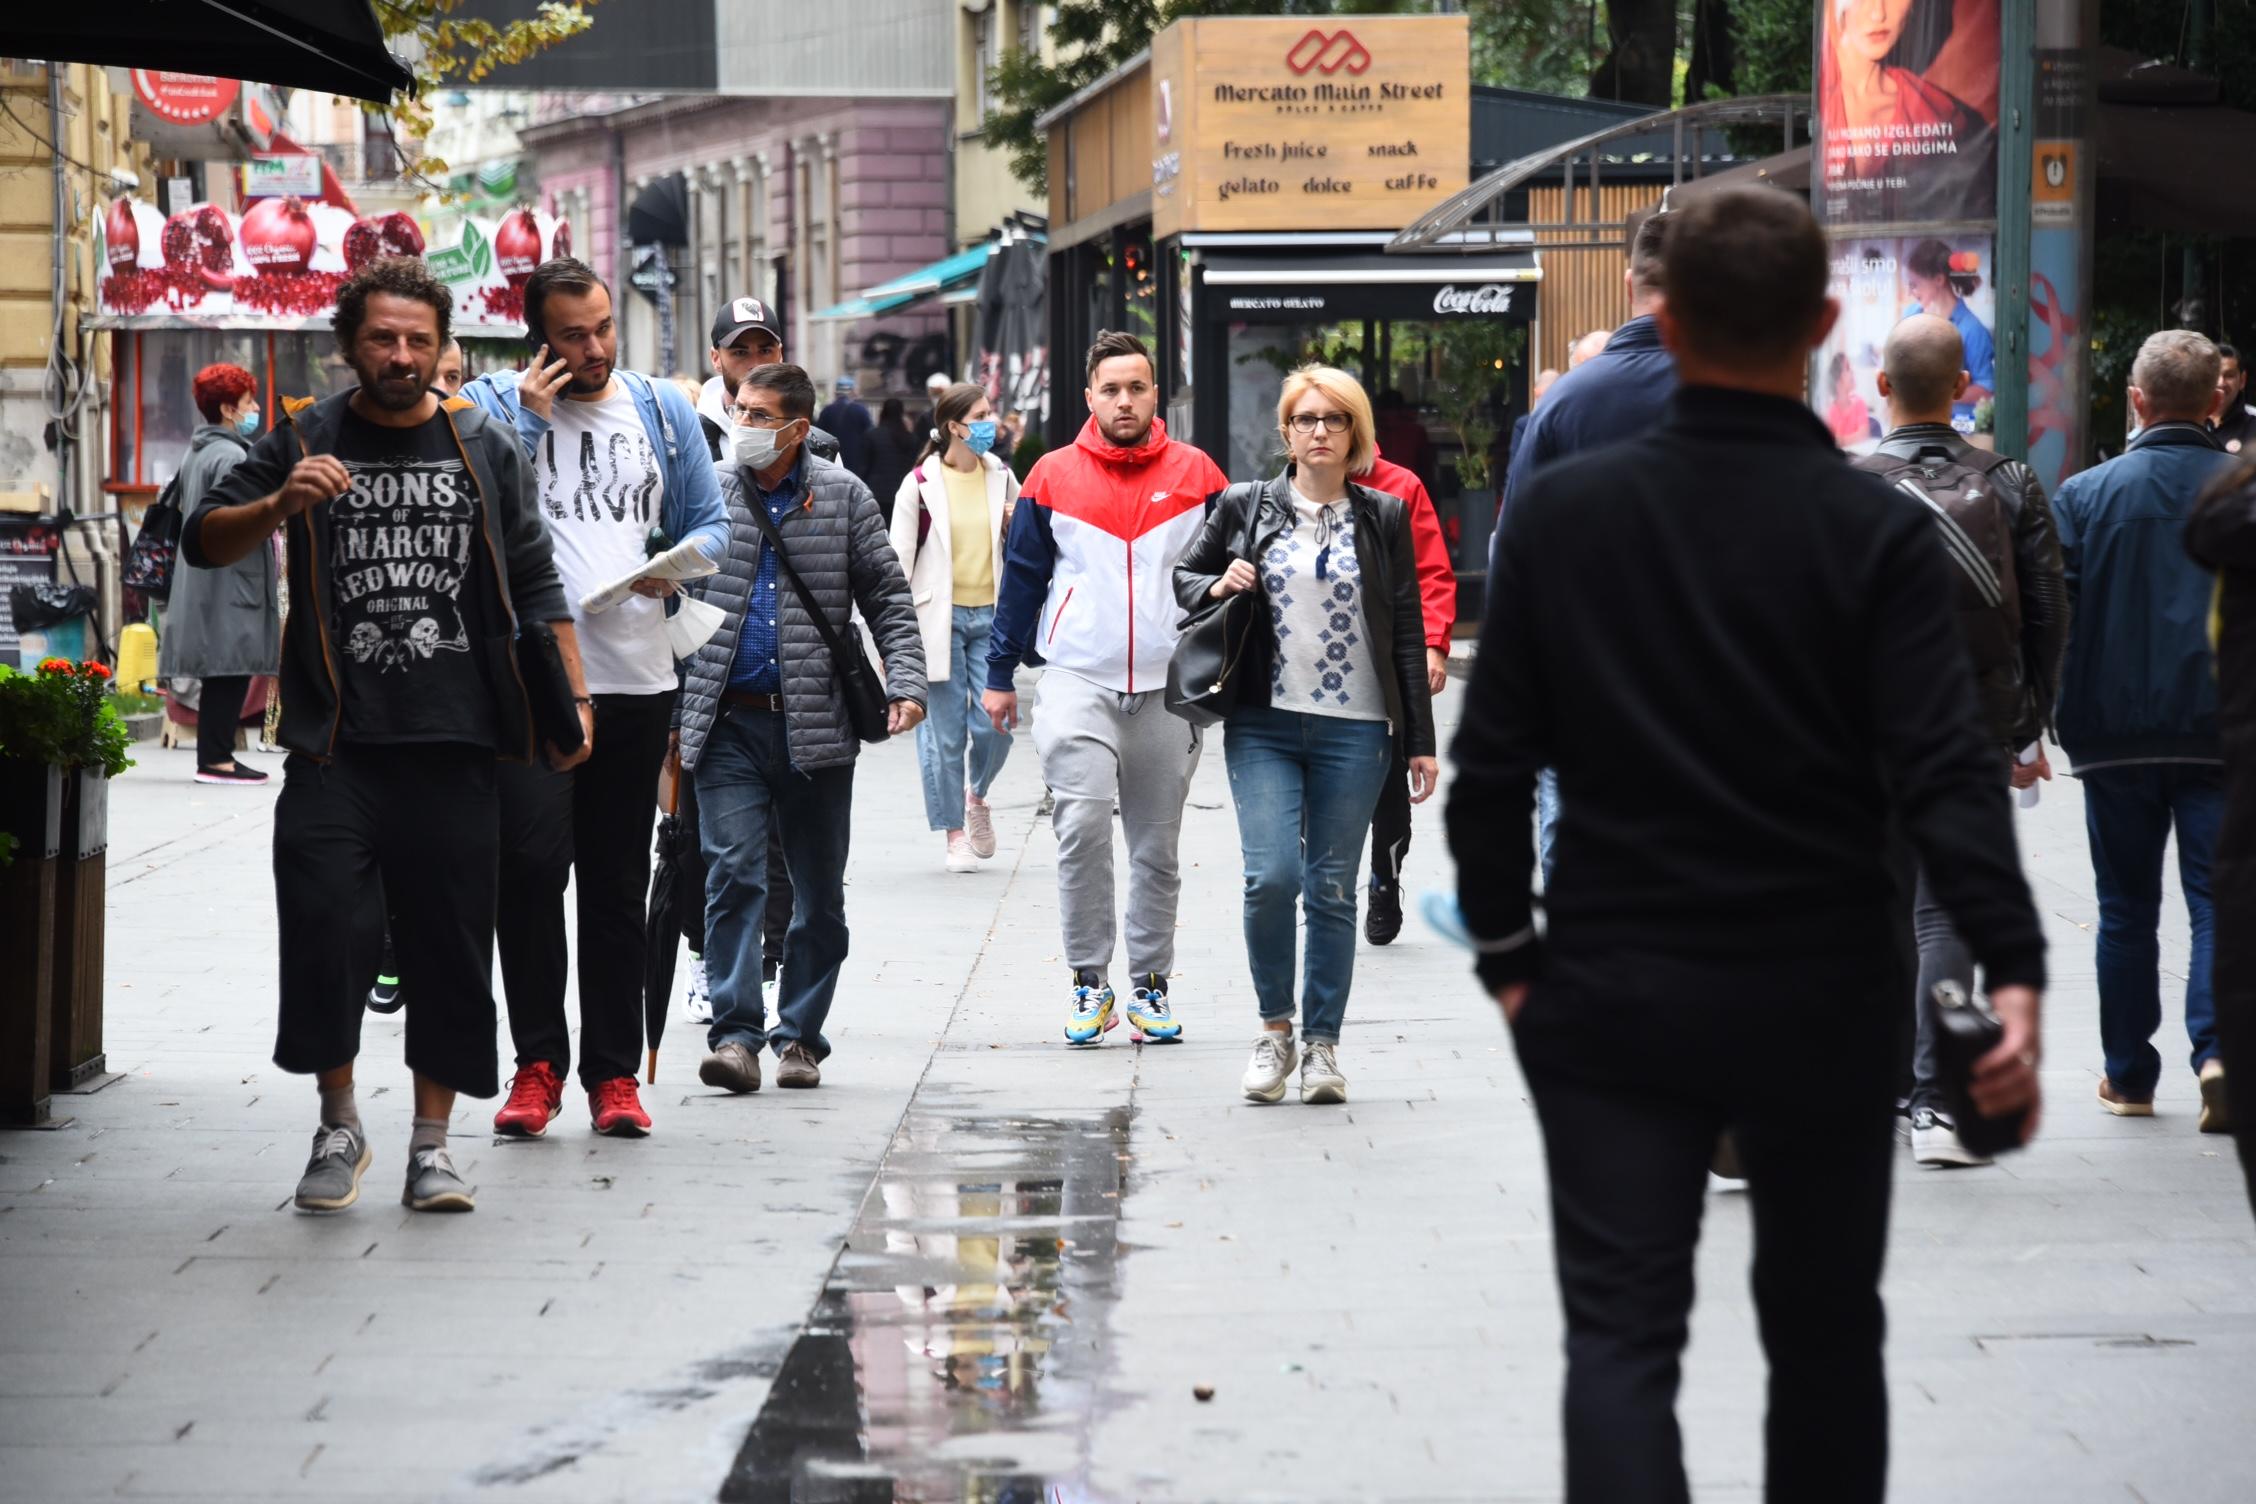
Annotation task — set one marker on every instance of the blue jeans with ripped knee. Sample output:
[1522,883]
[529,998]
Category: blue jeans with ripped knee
[1305,786]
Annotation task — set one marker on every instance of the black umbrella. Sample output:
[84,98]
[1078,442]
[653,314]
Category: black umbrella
[334,46]
[676,892]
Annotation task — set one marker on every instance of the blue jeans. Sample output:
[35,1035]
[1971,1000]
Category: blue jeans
[1305,786]
[954,724]
[2129,813]
[744,781]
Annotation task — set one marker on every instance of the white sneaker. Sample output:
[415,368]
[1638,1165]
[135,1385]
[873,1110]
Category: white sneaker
[770,990]
[961,858]
[697,1003]
[1934,1141]
[1320,1080]
[1271,1067]
[979,825]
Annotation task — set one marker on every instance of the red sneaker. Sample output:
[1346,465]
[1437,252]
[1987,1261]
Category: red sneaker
[617,1108]
[536,1096]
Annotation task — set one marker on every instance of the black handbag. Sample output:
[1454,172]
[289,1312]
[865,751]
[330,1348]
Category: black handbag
[548,688]
[1202,675]
[156,547]
[866,710]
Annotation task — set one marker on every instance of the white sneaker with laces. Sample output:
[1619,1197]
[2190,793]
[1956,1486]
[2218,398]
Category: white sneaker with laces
[979,825]
[1934,1141]
[1271,1066]
[961,858]
[1321,1083]
[697,1002]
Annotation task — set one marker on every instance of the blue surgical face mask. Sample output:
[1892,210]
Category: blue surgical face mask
[247,424]
[979,437]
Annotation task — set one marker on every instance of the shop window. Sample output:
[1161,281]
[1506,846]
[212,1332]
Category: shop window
[1259,357]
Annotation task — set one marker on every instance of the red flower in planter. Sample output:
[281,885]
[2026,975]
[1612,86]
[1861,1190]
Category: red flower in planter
[57,666]
[96,670]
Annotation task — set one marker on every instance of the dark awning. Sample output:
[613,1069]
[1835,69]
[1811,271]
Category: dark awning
[1271,288]
[334,46]
[660,213]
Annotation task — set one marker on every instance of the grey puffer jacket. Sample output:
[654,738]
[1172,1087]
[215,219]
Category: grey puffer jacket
[228,621]
[837,543]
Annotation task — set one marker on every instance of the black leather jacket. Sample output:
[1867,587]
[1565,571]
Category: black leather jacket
[1389,601]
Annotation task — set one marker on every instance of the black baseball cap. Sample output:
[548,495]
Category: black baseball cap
[741,314]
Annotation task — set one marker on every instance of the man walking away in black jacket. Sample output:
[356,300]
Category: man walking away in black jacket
[1996,529]
[1738,653]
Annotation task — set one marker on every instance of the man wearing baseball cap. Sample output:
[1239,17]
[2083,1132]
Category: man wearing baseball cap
[747,334]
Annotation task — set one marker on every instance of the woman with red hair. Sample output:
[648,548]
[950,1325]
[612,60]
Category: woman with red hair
[222,627]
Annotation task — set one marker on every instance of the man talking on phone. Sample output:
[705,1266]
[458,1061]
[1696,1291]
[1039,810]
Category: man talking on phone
[613,455]
[415,554]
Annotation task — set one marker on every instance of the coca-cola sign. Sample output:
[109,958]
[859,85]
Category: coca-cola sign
[1489,297]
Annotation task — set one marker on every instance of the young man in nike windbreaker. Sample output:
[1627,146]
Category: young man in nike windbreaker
[1087,590]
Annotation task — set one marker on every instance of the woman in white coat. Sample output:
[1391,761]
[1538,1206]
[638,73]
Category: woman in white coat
[949,522]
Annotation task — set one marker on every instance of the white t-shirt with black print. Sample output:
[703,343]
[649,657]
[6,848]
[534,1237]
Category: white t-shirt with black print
[602,491]
[1313,582]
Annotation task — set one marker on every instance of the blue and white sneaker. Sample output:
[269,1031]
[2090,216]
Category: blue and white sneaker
[1148,1013]
[1092,1010]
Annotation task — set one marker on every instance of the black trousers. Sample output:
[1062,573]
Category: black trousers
[1636,1063]
[421,826]
[219,712]
[595,821]
[1390,822]
[777,921]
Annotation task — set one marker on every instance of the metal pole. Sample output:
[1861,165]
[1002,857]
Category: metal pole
[2016,99]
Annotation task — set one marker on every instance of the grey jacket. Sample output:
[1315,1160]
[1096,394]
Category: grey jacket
[219,622]
[837,543]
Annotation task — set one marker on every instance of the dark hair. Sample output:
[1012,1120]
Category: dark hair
[1746,274]
[218,385]
[1924,32]
[564,274]
[954,406]
[1647,248]
[791,384]
[2227,352]
[1112,343]
[395,276]
[893,414]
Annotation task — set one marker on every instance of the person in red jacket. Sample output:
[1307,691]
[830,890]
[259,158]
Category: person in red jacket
[1437,593]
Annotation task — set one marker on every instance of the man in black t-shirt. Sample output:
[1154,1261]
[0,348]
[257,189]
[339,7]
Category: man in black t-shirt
[415,550]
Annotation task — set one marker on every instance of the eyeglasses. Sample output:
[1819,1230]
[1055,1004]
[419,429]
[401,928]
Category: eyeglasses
[1333,422]
[760,419]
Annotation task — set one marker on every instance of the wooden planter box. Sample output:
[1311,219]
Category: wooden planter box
[81,899]
[31,810]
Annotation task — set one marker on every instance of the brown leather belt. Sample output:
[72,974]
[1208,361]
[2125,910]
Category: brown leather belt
[745,699]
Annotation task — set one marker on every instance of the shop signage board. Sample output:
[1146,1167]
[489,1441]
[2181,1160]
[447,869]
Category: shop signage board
[279,265]
[1362,300]
[1308,123]
[278,176]
[184,98]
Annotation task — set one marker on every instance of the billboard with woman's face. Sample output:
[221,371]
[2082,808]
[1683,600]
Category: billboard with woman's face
[1883,280]
[1907,111]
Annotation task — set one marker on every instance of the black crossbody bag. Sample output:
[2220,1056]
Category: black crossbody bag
[857,683]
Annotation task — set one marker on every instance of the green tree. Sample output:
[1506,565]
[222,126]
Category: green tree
[449,50]
[1772,42]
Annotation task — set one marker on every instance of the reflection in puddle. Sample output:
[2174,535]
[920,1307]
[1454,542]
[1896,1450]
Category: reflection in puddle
[955,1354]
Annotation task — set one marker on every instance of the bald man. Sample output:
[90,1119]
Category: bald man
[1998,505]
[1590,344]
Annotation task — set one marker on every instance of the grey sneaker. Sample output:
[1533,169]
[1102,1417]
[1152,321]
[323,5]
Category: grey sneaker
[332,1177]
[732,1067]
[1272,1066]
[1320,1080]
[979,825]
[433,1185]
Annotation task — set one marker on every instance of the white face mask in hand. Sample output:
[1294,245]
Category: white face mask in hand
[754,448]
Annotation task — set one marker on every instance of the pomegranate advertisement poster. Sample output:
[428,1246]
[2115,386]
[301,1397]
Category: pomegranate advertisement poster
[279,263]
[1907,95]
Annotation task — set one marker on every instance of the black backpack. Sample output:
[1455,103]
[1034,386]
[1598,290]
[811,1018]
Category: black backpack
[1975,526]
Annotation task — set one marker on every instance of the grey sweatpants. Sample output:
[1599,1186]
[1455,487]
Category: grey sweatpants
[1098,745]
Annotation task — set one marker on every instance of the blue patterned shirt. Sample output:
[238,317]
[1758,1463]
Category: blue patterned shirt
[1314,584]
[755,666]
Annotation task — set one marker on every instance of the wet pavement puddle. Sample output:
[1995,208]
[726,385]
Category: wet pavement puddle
[956,1354]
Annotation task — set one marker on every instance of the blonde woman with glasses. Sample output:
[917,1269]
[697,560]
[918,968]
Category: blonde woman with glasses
[1335,670]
